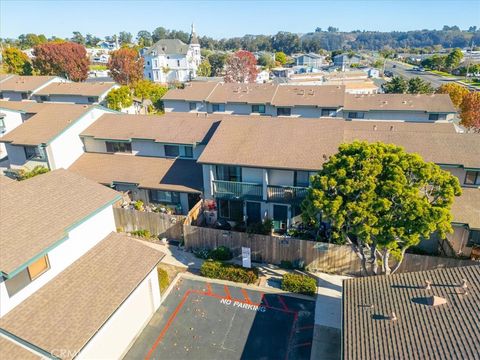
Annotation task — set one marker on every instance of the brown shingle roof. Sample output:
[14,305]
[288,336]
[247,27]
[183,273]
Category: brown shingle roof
[68,311]
[11,350]
[406,102]
[24,83]
[198,91]
[36,213]
[4,180]
[76,88]
[175,128]
[449,331]
[293,144]
[147,172]
[309,95]
[50,120]
[243,93]
[466,208]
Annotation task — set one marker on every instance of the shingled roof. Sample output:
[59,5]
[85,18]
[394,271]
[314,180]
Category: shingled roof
[76,88]
[70,309]
[37,213]
[17,83]
[420,331]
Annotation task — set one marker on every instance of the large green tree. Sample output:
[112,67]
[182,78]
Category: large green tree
[398,85]
[204,69]
[15,61]
[126,66]
[217,61]
[453,59]
[119,98]
[148,90]
[419,86]
[381,200]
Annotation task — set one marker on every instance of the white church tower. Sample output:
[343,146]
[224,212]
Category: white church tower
[193,56]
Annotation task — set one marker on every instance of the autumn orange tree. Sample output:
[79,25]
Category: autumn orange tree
[241,67]
[457,92]
[64,59]
[470,111]
[126,66]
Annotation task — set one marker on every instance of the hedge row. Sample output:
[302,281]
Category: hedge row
[299,284]
[162,279]
[232,272]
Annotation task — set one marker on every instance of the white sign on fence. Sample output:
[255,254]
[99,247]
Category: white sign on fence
[246,257]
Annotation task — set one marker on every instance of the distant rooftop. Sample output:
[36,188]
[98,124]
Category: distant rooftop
[76,88]
[397,317]
[17,83]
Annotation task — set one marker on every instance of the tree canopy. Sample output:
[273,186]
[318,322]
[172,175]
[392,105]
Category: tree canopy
[241,67]
[64,59]
[381,200]
[148,90]
[415,85]
[470,111]
[15,61]
[456,91]
[204,69]
[119,98]
[126,66]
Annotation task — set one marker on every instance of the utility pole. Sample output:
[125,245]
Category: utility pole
[468,64]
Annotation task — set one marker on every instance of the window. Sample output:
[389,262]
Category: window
[188,151]
[149,75]
[178,63]
[258,109]
[34,152]
[113,147]
[155,63]
[329,112]
[1,95]
[472,178]
[24,96]
[172,150]
[229,173]
[356,115]
[192,105]
[160,196]
[301,178]
[38,267]
[2,124]
[91,99]
[433,117]
[148,62]
[284,111]
[473,238]
[43,98]
[218,107]
[230,209]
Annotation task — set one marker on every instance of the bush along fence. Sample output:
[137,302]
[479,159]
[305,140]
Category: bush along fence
[324,257]
[157,224]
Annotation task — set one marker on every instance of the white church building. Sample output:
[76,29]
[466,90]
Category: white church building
[170,60]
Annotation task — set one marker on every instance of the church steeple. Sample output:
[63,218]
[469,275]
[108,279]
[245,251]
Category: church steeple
[193,36]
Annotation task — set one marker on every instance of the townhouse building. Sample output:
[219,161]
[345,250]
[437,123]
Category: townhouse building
[310,101]
[75,92]
[153,158]
[70,286]
[46,134]
[17,88]
[257,169]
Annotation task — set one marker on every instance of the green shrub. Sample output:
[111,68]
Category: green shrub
[299,284]
[138,205]
[219,270]
[221,253]
[201,253]
[263,228]
[37,170]
[163,279]
[142,233]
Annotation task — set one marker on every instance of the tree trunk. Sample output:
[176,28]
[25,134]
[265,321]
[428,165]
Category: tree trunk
[386,265]
[358,249]
[400,261]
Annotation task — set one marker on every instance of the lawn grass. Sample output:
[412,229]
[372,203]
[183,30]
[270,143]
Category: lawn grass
[442,73]
[98,68]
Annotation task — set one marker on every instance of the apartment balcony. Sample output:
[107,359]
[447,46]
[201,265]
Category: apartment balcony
[237,190]
[286,194]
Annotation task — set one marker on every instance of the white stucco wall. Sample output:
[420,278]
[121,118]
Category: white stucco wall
[68,146]
[180,106]
[414,116]
[80,239]
[148,148]
[93,145]
[116,336]
[11,120]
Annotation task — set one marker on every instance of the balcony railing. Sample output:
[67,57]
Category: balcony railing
[286,194]
[237,190]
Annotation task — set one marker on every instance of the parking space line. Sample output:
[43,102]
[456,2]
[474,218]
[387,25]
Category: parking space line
[167,325]
[292,331]
[245,295]
[209,288]
[280,298]
[227,292]
[301,345]
[264,299]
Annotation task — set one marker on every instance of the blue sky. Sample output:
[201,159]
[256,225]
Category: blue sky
[229,18]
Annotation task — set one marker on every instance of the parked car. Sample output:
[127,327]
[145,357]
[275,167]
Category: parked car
[388,73]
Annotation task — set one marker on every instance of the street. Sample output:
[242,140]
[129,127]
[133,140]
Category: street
[407,72]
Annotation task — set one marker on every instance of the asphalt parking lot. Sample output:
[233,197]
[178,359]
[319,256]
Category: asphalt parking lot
[207,320]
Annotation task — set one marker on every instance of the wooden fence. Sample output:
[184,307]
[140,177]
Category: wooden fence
[340,259]
[164,225]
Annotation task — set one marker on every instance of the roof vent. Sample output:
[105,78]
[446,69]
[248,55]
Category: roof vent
[391,127]
[392,317]
[435,300]
[374,127]
[325,157]
[464,285]
[428,285]
[404,102]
